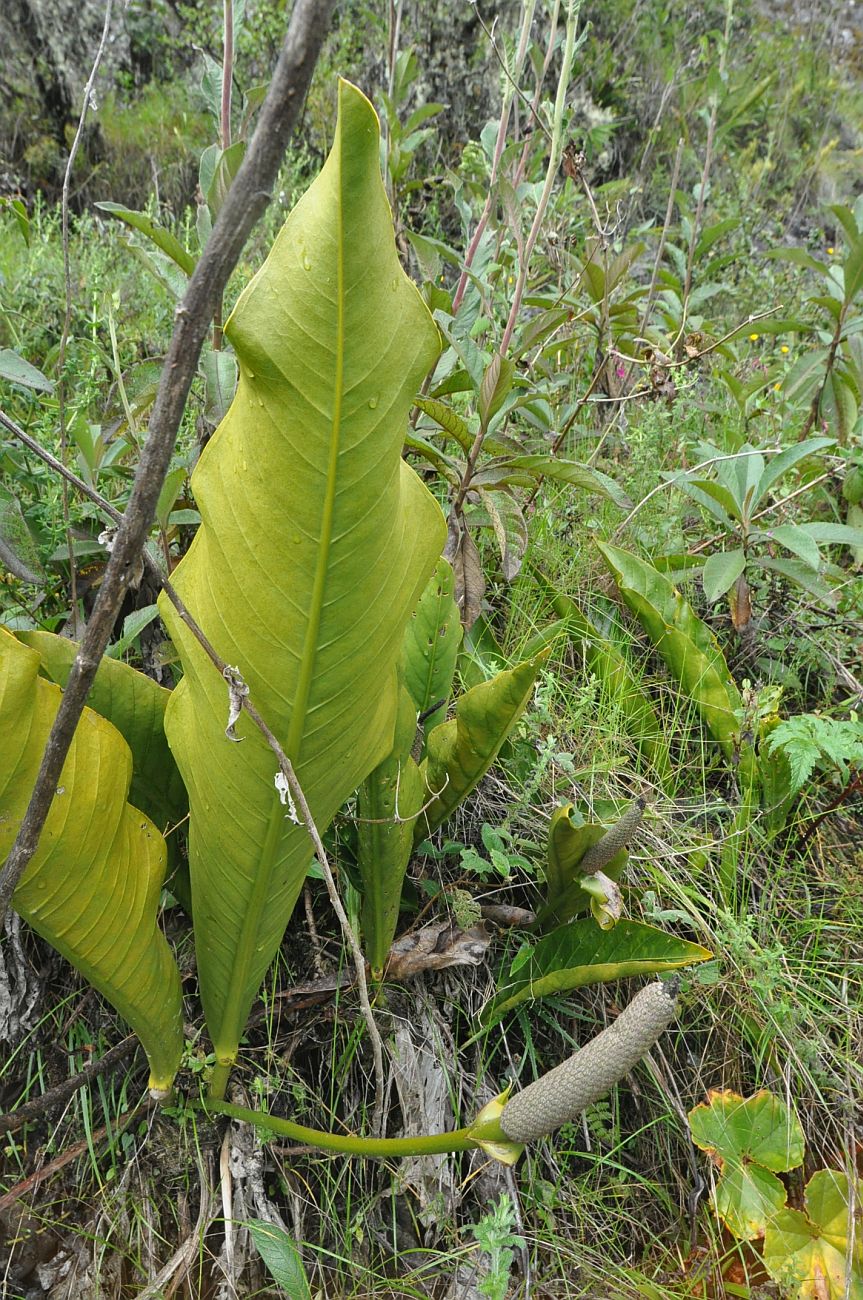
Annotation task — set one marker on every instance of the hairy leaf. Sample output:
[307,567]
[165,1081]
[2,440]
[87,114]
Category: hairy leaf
[315,543]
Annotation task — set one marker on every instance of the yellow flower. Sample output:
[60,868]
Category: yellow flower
[777,387]
[784,348]
[830,251]
[754,337]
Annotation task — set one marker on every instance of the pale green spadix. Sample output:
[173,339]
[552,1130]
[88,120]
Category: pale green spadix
[315,543]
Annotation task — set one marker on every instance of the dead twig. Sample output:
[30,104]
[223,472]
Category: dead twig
[61,1092]
[67,315]
[72,1153]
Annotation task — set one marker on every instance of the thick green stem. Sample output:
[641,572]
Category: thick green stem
[348,1144]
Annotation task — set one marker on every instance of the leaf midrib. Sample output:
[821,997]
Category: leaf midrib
[297,727]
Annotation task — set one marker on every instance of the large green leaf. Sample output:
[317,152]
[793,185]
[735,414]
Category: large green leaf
[135,705]
[431,645]
[461,751]
[688,647]
[315,543]
[389,800]
[581,953]
[92,887]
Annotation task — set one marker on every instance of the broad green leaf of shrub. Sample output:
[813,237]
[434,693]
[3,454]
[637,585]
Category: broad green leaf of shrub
[389,800]
[687,646]
[581,953]
[748,1138]
[315,543]
[461,751]
[281,1257]
[158,235]
[721,571]
[809,1252]
[92,887]
[431,645]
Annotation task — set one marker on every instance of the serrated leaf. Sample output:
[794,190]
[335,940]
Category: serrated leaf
[581,953]
[721,571]
[760,1129]
[92,887]
[461,751]
[315,543]
[752,1138]
[810,1252]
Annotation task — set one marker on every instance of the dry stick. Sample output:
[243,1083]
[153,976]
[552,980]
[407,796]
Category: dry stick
[61,1092]
[500,142]
[72,1153]
[244,204]
[67,315]
[283,761]
[172,1274]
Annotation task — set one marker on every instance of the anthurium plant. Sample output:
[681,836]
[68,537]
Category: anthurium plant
[316,577]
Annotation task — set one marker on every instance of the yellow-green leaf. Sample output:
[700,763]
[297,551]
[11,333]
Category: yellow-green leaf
[315,542]
[810,1252]
[92,888]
